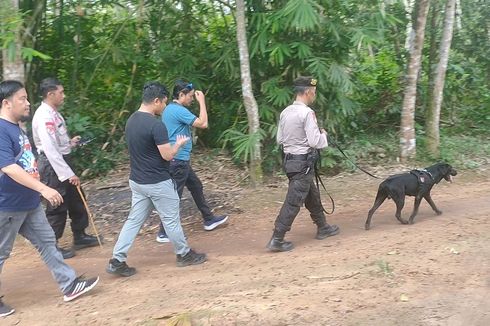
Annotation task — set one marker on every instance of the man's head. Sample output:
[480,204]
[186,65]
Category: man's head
[155,96]
[14,104]
[52,92]
[183,92]
[305,89]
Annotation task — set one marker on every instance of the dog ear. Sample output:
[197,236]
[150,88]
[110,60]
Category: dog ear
[444,168]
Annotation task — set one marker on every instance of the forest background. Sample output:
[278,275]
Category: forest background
[373,84]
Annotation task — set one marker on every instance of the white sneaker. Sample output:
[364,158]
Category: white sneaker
[162,237]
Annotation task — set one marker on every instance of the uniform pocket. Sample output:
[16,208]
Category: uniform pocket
[295,166]
[62,129]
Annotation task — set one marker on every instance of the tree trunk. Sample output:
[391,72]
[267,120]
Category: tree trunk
[459,13]
[434,28]
[434,110]
[410,31]
[13,66]
[407,125]
[248,97]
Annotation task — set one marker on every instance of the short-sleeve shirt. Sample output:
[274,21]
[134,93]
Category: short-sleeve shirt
[298,130]
[144,132]
[178,120]
[15,197]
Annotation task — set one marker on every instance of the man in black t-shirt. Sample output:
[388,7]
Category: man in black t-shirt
[150,181]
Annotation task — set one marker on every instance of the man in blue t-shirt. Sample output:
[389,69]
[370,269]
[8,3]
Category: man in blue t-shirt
[20,204]
[150,182]
[179,121]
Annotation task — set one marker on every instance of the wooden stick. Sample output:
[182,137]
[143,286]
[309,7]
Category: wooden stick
[90,216]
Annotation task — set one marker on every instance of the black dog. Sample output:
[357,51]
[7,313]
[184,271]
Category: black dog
[416,183]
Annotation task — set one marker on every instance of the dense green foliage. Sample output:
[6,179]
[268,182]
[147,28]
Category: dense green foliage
[104,51]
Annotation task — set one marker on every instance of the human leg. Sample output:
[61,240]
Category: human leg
[165,199]
[297,191]
[179,170]
[141,207]
[313,204]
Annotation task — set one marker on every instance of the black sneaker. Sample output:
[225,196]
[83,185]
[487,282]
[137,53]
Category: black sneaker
[327,231]
[191,258]
[5,309]
[120,268]
[79,287]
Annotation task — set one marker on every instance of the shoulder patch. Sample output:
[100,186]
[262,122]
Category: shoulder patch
[50,127]
[314,116]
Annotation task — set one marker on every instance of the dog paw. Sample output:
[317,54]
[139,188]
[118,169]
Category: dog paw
[367,227]
[410,222]
[439,212]
[403,221]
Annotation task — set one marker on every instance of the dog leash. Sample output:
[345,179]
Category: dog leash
[334,144]
[319,181]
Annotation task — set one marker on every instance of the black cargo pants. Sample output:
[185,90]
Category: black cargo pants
[184,176]
[302,190]
[72,202]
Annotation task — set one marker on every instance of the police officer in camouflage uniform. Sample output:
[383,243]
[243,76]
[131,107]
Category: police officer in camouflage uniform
[300,137]
[54,146]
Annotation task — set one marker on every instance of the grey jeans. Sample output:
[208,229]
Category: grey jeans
[161,196]
[34,226]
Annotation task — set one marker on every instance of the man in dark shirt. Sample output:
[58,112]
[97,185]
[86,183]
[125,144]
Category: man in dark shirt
[150,181]
[20,205]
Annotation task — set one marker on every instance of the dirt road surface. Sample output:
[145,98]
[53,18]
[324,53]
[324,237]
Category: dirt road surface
[435,272]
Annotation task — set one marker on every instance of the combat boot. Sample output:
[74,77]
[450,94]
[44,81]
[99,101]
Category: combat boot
[66,253]
[326,231]
[82,240]
[278,244]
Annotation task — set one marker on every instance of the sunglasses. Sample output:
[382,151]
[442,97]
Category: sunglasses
[189,86]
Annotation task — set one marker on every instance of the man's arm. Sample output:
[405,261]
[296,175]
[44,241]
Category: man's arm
[201,121]
[46,133]
[279,136]
[168,151]
[20,176]
[316,139]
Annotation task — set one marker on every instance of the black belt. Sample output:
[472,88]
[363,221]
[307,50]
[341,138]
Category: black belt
[302,157]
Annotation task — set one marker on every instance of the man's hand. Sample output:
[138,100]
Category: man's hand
[323,131]
[52,196]
[75,181]
[202,119]
[200,98]
[181,140]
[74,141]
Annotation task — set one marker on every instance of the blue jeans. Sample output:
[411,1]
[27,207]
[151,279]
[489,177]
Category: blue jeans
[161,196]
[34,226]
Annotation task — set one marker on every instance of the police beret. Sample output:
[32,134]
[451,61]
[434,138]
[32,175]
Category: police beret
[305,81]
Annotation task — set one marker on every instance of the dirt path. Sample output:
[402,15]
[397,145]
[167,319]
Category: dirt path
[435,272]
